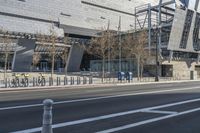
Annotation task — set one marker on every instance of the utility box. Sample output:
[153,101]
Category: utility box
[129,76]
[121,76]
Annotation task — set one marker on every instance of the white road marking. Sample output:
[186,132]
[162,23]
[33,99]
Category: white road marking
[99,90]
[148,121]
[64,124]
[159,112]
[99,98]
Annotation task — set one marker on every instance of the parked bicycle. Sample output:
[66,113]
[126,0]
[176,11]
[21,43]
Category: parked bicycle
[41,80]
[25,80]
[15,82]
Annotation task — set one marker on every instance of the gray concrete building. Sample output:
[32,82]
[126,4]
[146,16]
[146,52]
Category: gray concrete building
[177,23]
[79,19]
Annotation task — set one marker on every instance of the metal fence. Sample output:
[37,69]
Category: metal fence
[75,80]
[36,82]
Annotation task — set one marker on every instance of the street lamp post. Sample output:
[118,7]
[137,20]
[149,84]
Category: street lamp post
[159,30]
[158,36]
[157,64]
[120,45]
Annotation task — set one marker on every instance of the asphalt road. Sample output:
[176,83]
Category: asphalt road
[151,108]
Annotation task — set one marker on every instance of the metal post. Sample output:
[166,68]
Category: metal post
[157,64]
[120,45]
[149,26]
[109,51]
[77,80]
[84,80]
[71,81]
[58,81]
[158,45]
[65,81]
[90,80]
[50,81]
[36,82]
[47,116]
[33,81]
[6,83]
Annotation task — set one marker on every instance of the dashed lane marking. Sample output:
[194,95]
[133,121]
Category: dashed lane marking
[103,117]
[148,121]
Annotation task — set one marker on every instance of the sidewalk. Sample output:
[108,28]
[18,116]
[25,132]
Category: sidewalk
[41,88]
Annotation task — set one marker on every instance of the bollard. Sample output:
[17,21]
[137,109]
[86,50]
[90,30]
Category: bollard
[78,80]
[33,81]
[72,80]
[47,116]
[65,81]
[50,81]
[36,81]
[90,80]
[9,83]
[27,85]
[44,82]
[83,80]
[6,83]
[58,81]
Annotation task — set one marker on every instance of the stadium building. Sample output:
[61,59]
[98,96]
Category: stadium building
[173,28]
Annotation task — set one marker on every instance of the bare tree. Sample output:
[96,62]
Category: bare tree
[7,48]
[65,54]
[102,47]
[134,46]
[52,40]
[36,58]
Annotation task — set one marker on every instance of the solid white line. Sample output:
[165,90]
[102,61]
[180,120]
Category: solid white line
[64,124]
[99,98]
[159,112]
[148,121]
[99,90]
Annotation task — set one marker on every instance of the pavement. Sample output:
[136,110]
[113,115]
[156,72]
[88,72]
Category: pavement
[143,108]
[94,84]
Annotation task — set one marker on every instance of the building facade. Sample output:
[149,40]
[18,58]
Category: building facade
[79,19]
[173,25]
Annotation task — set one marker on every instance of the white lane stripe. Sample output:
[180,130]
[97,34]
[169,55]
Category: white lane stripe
[22,106]
[99,90]
[148,121]
[159,112]
[30,130]
[99,98]
[59,125]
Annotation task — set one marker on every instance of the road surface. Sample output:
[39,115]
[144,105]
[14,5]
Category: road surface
[150,108]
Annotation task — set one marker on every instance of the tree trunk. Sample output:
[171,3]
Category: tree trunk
[142,69]
[5,66]
[66,66]
[138,67]
[103,69]
[52,65]
[66,69]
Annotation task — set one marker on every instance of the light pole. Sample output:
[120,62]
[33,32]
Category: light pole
[120,45]
[159,30]
[158,43]
[157,63]
[109,47]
